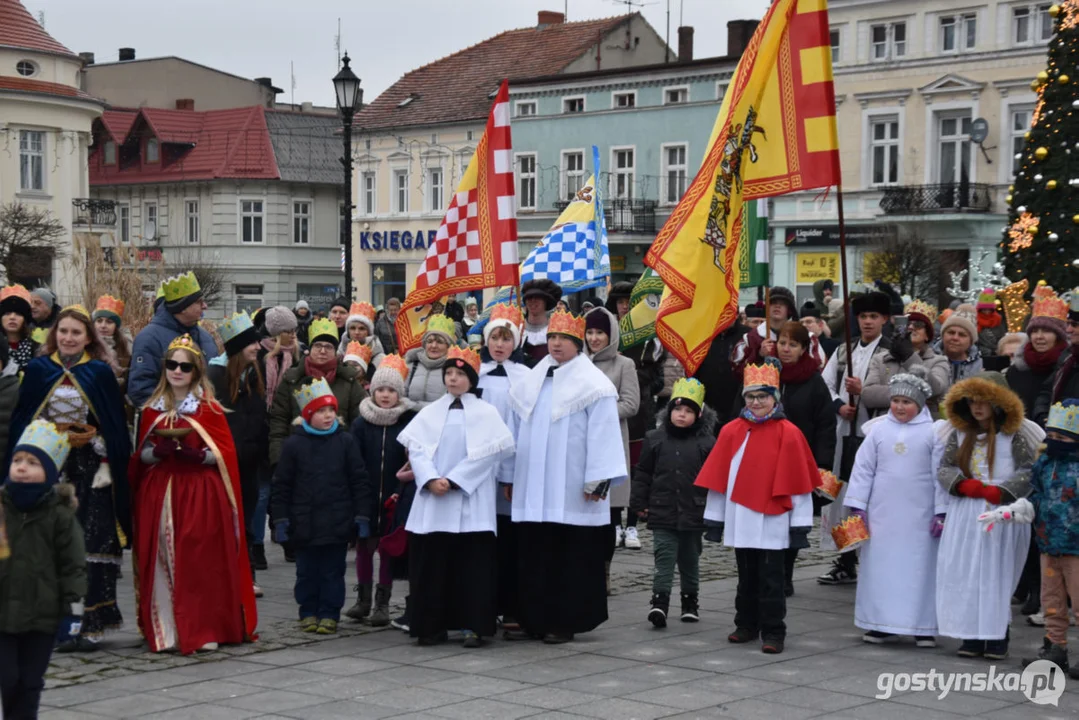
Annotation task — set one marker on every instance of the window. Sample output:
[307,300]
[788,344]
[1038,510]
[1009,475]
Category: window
[251,221]
[526,108]
[434,138]
[721,90]
[1031,24]
[149,220]
[125,223]
[435,189]
[526,182]
[191,220]
[469,135]
[624,99]
[26,68]
[889,41]
[622,175]
[958,32]
[152,151]
[834,37]
[301,222]
[573,172]
[109,152]
[953,155]
[387,281]
[248,298]
[32,160]
[400,191]
[675,96]
[573,105]
[367,183]
[674,173]
[1019,125]
[884,151]
[367,144]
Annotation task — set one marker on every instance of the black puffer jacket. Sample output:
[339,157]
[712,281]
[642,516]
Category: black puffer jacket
[1062,384]
[663,478]
[720,384]
[1026,382]
[321,487]
[248,418]
[375,432]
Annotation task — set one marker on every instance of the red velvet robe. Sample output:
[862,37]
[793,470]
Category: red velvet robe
[211,586]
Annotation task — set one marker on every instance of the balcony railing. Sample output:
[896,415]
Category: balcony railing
[944,197]
[625,216]
[90,212]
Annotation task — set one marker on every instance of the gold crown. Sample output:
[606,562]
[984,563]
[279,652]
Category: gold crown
[16,291]
[110,304]
[365,309]
[45,436]
[849,533]
[360,350]
[395,362]
[922,307]
[565,323]
[441,324]
[508,312]
[456,356]
[1048,304]
[763,375]
[184,342]
[179,287]
[77,308]
[235,324]
[314,390]
[1064,418]
[690,389]
[830,486]
[320,327]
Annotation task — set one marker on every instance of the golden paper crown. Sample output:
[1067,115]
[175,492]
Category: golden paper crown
[314,390]
[850,531]
[359,350]
[830,485]
[507,312]
[320,327]
[235,324]
[46,437]
[441,324]
[467,356]
[110,304]
[922,307]
[184,342]
[365,309]
[80,309]
[565,323]
[1048,304]
[690,389]
[395,362]
[180,286]
[763,375]
[1064,418]
[15,291]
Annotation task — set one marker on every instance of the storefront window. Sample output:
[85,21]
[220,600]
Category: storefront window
[387,281]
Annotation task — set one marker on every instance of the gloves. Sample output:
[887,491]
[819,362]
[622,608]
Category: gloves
[902,348]
[857,513]
[714,533]
[936,527]
[363,528]
[799,538]
[70,628]
[1020,511]
[970,488]
[102,476]
[597,487]
[280,532]
[164,450]
[191,454]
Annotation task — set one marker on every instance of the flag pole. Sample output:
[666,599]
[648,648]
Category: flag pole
[843,276]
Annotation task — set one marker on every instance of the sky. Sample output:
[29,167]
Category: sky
[260,38]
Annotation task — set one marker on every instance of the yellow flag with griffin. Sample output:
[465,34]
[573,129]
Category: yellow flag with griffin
[775,134]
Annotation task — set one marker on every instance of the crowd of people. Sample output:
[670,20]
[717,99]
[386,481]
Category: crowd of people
[499,465]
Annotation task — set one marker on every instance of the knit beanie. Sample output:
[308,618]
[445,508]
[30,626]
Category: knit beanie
[301,305]
[46,295]
[280,319]
[911,385]
[596,320]
[1052,324]
[780,294]
[391,373]
[965,318]
[340,302]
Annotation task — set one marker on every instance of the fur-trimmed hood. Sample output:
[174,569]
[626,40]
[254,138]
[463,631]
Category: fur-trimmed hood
[984,386]
[706,421]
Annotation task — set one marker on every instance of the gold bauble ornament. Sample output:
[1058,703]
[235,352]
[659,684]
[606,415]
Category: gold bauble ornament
[1033,230]
[1063,79]
[1042,77]
[1011,188]
[1026,135]
[1054,10]
[1041,153]
[1042,283]
[1034,85]
[1075,219]
[1051,185]
[1008,199]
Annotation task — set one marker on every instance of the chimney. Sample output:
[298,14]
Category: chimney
[738,34]
[685,43]
[549,17]
[307,107]
[185,104]
[265,82]
[87,58]
[127,54]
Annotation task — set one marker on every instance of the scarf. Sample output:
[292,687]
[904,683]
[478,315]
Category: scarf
[988,321]
[25,496]
[327,370]
[274,367]
[1043,363]
[384,417]
[775,413]
[577,384]
[312,431]
[798,372]
[487,434]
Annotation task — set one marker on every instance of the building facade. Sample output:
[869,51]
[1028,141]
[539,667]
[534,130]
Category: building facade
[933,99]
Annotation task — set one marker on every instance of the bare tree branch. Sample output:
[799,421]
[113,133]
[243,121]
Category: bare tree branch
[907,261]
[30,238]
[210,271]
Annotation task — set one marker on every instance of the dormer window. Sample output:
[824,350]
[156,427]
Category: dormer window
[109,152]
[153,151]
[26,68]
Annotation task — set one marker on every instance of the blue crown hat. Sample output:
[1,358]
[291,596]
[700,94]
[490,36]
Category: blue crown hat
[1064,418]
[313,396]
[48,444]
[237,332]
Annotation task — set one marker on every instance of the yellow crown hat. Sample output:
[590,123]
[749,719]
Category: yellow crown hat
[43,438]
[688,391]
[323,330]
[441,325]
[181,286]
[313,396]
[185,342]
[77,308]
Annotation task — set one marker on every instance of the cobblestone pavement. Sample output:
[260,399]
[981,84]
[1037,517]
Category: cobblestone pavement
[625,669]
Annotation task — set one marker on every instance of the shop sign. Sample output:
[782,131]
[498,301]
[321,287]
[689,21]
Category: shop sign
[397,240]
[618,263]
[317,295]
[828,235]
[811,267]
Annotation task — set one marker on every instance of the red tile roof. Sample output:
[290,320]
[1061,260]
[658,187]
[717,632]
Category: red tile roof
[21,84]
[195,145]
[458,87]
[19,29]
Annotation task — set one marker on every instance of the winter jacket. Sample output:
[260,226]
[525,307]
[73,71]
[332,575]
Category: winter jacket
[149,348]
[375,432]
[989,338]
[46,573]
[321,487]
[1053,483]
[247,418]
[424,383]
[1026,382]
[663,478]
[623,375]
[347,387]
[876,396]
[303,324]
[387,335]
[672,373]
[809,406]
[1060,385]
[9,398]
[721,387]
[649,369]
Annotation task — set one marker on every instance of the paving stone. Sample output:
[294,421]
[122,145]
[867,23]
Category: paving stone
[619,708]
[482,710]
[131,705]
[548,697]
[279,701]
[202,712]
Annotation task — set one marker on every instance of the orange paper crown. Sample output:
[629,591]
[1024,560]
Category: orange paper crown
[1048,304]
[506,311]
[565,323]
[466,355]
[830,485]
[395,362]
[16,291]
[365,309]
[360,350]
[111,304]
[849,532]
[763,375]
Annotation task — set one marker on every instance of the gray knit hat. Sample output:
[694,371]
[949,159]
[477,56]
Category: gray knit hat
[387,375]
[911,385]
[279,319]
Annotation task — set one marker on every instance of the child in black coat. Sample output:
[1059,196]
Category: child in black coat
[663,493]
[320,500]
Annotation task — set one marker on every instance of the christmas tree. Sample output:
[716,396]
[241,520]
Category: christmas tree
[1041,241]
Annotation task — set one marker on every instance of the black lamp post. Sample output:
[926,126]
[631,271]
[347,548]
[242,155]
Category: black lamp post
[349,98]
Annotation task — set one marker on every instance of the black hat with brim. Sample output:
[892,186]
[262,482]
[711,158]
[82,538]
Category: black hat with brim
[235,345]
[875,301]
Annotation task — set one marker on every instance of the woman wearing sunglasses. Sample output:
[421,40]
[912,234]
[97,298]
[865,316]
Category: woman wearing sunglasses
[194,580]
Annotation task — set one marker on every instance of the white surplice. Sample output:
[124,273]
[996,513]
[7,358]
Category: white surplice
[496,391]
[568,435]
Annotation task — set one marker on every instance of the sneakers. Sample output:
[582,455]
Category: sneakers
[472,640]
[971,648]
[326,626]
[401,621]
[362,608]
[772,645]
[996,649]
[557,638]
[925,641]
[257,590]
[839,575]
[1037,619]
[691,611]
[381,615]
[742,635]
[208,647]
[258,556]
[619,536]
[875,637]
[660,606]
[309,624]
[632,541]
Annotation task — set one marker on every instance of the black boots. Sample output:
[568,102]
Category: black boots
[691,611]
[362,608]
[381,616]
[661,604]
[1053,653]
[258,557]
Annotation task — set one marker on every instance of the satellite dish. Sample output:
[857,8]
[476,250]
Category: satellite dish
[979,130]
[149,229]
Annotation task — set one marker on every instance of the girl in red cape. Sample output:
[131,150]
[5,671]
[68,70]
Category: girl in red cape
[194,585]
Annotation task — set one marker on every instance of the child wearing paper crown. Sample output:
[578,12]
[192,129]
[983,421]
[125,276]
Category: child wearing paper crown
[760,478]
[43,582]
[893,489]
[664,494]
[456,445]
[320,501]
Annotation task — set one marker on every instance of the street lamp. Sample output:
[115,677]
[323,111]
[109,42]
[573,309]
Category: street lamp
[349,98]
